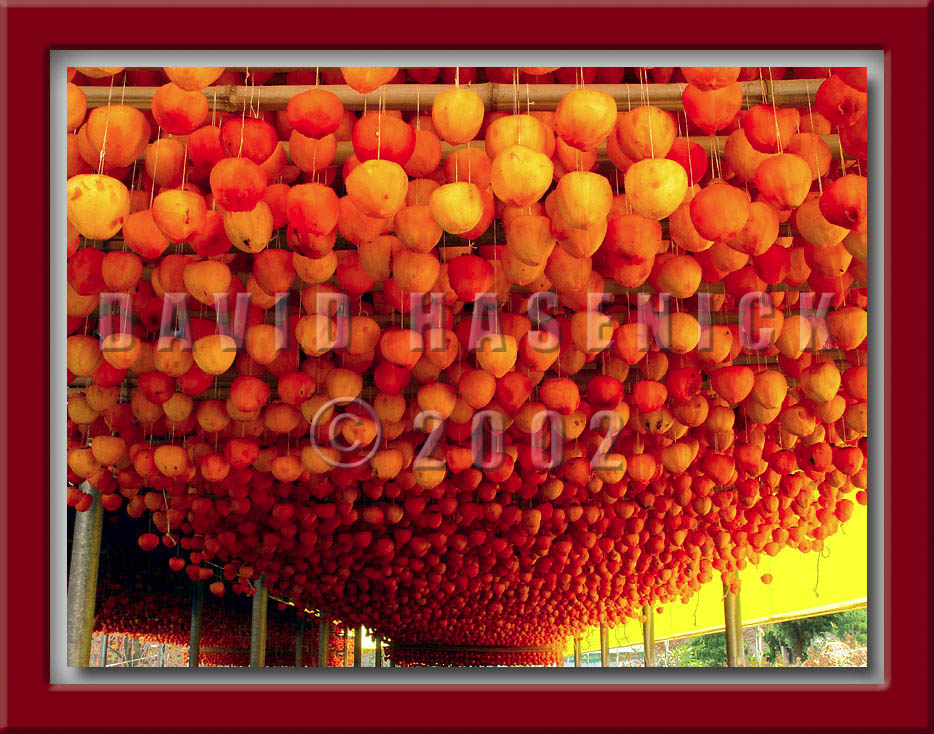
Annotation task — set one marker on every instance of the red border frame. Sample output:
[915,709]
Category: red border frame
[28,702]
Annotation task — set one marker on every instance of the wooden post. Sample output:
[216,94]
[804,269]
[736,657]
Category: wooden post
[105,643]
[604,646]
[358,647]
[299,635]
[162,655]
[378,657]
[733,624]
[82,580]
[648,637]
[577,652]
[324,642]
[258,627]
[346,647]
[194,636]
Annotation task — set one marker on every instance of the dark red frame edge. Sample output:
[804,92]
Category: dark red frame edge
[28,702]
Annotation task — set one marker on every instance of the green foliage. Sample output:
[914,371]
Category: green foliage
[799,634]
[707,651]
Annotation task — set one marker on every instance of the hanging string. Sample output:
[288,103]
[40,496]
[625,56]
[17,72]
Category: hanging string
[152,190]
[100,163]
[184,165]
[243,114]
[778,135]
[817,576]
[690,157]
[379,120]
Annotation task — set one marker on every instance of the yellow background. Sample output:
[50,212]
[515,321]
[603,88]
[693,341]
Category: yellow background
[791,595]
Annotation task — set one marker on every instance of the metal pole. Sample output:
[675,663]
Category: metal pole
[105,641]
[378,656]
[82,580]
[604,646]
[577,652]
[358,647]
[648,637]
[324,642]
[299,639]
[733,623]
[194,637]
[162,655]
[258,628]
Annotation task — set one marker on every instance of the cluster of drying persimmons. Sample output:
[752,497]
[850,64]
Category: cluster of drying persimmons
[132,607]
[712,449]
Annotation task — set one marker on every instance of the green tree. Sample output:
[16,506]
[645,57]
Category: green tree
[799,634]
[706,651]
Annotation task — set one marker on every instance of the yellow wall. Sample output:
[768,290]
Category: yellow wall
[841,585]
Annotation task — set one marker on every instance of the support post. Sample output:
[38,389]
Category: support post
[604,646]
[258,628]
[299,641]
[194,637]
[82,580]
[162,655]
[378,657]
[358,647]
[733,623]
[346,646]
[648,637]
[105,643]
[324,642]
[577,652]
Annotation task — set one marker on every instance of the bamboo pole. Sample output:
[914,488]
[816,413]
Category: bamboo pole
[648,637]
[358,647]
[258,627]
[299,639]
[577,652]
[324,642]
[197,615]
[604,646]
[733,629]
[783,92]
[82,580]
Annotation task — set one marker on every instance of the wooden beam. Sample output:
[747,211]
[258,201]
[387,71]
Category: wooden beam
[506,97]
